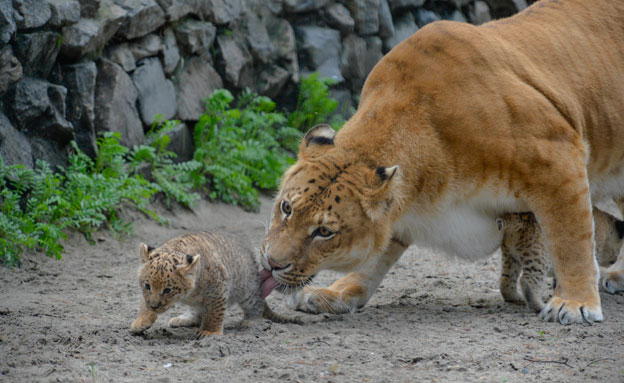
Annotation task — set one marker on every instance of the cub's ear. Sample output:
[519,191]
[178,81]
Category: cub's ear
[189,264]
[318,138]
[144,251]
[382,191]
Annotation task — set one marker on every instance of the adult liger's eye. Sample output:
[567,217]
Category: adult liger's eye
[323,232]
[286,208]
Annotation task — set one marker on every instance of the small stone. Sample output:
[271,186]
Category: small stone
[424,17]
[374,53]
[352,61]
[505,8]
[194,36]
[458,16]
[144,16]
[366,21]
[272,80]
[170,51]
[89,8]
[122,55]
[64,12]
[146,46]
[236,61]
[300,6]
[7,22]
[177,9]
[221,12]
[156,93]
[181,143]
[115,100]
[400,4]
[404,27]
[386,26]
[10,69]
[479,13]
[282,36]
[320,50]
[37,52]
[14,145]
[258,40]
[195,82]
[337,16]
[31,13]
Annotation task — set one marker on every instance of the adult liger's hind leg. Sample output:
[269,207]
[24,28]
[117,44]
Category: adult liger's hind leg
[559,198]
[510,271]
[353,290]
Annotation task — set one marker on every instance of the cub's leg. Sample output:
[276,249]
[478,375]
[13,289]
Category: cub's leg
[191,318]
[212,316]
[612,278]
[145,320]
[557,190]
[353,290]
[509,277]
[535,265]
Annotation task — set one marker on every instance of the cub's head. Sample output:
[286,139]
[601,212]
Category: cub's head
[333,211]
[166,276]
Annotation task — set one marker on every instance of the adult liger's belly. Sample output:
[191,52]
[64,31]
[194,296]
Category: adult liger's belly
[466,230]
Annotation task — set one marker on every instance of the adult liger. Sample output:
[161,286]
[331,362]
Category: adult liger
[457,125]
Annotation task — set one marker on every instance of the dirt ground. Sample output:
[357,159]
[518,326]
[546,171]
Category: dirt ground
[434,318]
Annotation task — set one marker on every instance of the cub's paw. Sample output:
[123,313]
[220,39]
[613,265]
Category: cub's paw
[612,282]
[205,333]
[184,321]
[567,311]
[512,296]
[140,324]
[319,300]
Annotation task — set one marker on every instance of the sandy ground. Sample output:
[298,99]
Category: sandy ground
[434,318]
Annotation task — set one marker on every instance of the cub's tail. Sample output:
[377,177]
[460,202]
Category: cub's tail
[274,317]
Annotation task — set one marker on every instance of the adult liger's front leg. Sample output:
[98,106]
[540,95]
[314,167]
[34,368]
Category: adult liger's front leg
[352,291]
[563,208]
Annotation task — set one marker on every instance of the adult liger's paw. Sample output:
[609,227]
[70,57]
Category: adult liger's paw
[612,282]
[567,311]
[319,300]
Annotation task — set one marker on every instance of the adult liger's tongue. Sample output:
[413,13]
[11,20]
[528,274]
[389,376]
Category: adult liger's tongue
[267,282]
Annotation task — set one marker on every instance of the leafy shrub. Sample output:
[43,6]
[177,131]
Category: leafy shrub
[242,148]
[314,106]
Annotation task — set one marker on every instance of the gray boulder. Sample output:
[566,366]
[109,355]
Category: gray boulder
[374,53]
[479,13]
[338,17]
[386,26]
[300,6]
[282,36]
[177,9]
[115,100]
[235,60]
[366,15]
[404,27]
[424,17]
[89,8]
[181,142]
[352,60]
[170,51]
[88,36]
[122,55]
[64,12]
[221,12]
[194,36]
[146,46]
[144,16]
[457,15]
[14,146]
[53,152]
[37,52]
[505,8]
[400,4]
[271,81]
[345,107]
[194,83]
[319,50]
[156,94]
[10,69]
[31,13]
[39,108]
[258,39]
[7,23]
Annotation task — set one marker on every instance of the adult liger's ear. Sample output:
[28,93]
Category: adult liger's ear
[381,192]
[144,251]
[317,139]
[189,264]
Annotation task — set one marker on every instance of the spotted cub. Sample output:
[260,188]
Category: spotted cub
[524,252]
[208,272]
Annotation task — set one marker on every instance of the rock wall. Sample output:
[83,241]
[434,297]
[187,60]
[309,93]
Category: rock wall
[70,69]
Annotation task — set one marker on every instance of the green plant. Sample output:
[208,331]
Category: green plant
[174,180]
[242,148]
[314,106]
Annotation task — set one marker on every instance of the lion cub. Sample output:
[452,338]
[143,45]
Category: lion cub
[525,252]
[207,271]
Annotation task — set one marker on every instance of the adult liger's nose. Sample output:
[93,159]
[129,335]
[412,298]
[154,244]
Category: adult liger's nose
[274,265]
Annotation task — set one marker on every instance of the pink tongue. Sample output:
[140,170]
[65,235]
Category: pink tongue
[268,283]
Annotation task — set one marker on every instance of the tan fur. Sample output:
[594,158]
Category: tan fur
[525,253]
[207,271]
[521,114]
